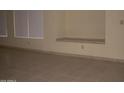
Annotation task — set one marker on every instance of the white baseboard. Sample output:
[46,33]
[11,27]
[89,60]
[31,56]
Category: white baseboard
[68,54]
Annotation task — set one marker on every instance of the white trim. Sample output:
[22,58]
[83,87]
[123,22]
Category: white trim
[36,38]
[29,37]
[14,23]
[20,37]
[42,13]
[3,35]
[109,59]
[28,22]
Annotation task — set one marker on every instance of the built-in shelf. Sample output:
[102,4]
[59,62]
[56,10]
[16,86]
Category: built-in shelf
[81,40]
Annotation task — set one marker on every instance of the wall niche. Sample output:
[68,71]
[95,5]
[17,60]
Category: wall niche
[84,26]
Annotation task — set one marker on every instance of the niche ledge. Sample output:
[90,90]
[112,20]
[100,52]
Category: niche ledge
[81,40]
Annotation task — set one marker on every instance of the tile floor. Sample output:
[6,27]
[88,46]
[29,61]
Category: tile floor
[30,66]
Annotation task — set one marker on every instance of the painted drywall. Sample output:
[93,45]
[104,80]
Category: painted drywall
[61,32]
[113,47]
[85,24]
[3,24]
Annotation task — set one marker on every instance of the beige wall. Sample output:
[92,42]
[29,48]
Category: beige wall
[61,25]
[113,48]
[85,24]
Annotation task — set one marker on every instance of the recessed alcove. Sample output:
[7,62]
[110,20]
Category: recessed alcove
[83,26]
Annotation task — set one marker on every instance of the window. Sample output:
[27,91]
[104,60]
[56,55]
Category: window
[3,24]
[28,24]
[21,24]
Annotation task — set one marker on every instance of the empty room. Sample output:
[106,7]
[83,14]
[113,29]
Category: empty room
[62,45]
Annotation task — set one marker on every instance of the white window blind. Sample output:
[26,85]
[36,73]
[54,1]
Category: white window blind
[29,24]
